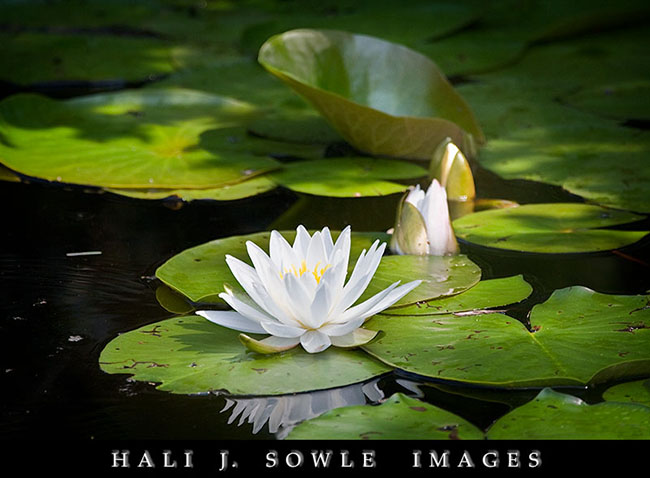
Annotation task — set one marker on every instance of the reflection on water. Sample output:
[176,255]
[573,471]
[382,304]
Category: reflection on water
[282,413]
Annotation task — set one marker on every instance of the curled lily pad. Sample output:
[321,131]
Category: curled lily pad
[347,177]
[557,416]
[190,355]
[365,88]
[551,228]
[635,392]
[577,337]
[201,272]
[398,418]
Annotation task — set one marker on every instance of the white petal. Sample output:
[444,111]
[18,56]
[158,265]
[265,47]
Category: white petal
[320,306]
[314,341]
[316,256]
[281,253]
[282,330]
[299,299]
[359,280]
[244,307]
[301,243]
[232,320]
[344,328]
[385,301]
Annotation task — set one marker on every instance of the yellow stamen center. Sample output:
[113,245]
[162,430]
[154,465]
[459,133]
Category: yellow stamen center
[299,271]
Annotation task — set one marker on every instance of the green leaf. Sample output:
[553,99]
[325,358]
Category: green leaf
[250,187]
[191,355]
[135,139]
[398,418]
[534,135]
[551,228]
[484,295]
[556,416]
[29,57]
[347,177]
[577,337]
[635,392]
[441,276]
[622,101]
[364,87]
[200,272]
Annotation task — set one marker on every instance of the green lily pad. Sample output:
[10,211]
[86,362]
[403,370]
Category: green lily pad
[347,177]
[484,295]
[135,139]
[191,355]
[556,416]
[398,418]
[577,337]
[7,174]
[200,272]
[248,188]
[635,392]
[29,57]
[551,228]
[623,101]
[534,135]
[364,87]
[441,276]
[408,23]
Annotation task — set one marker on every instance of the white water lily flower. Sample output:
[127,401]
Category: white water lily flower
[298,293]
[423,223]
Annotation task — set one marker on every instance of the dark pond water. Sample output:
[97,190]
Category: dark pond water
[59,311]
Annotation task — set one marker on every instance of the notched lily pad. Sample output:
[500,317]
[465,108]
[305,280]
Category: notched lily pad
[576,337]
[557,416]
[364,86]
[551,228]
[398,418]
[635,392]
[190,355]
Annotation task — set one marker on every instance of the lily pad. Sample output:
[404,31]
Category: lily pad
[622,101]
[576,337]
[190,355]
[365,88]
[347,177]
[398,418]
[557,416]
[635,392]
[150,138]
[31,57]
[550,228]
[484,295]
[441,276]
[248,188]
[201,272]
